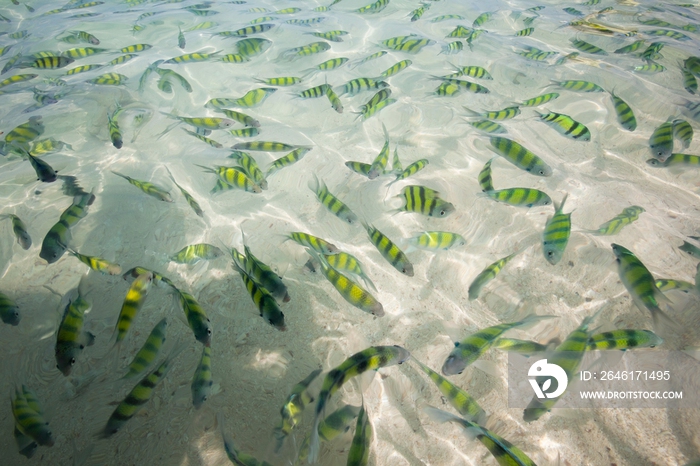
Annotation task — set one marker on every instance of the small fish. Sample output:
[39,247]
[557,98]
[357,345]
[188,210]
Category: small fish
[97,264]
[623,339]
[139,396]
[29,418]
[44,171]
[461,32]
[149,351]
[525,32]
[20,231]
[70,338]
[394,69]
[650,68]
[616,224]
[488,126]
[251,168]
[113,125]
[181,39]
[418,12]
[640,283]
[535,54]
[683,131]
[411,170]
[170,75]
[375,101]
[465,85]
[196,317]
[661,141]
[234,455]
[520,197]
[485,181]
[426,201]
[389,250]
[587,47]
[676,160]
[579,86]
[248,30]
[18,78]
[350,290]
[374,56]
[568,356]
[241,118]
[204,139]
[314,92]
[498,115]
[192,57]
[333,36]
[333,98]
[56,240]
[202,381]
[195,252]
[269,310]
[109,79]
[334,425]
[293,408]
[566,126]
[359,167]
[331,202]
[372,358]
[437,240]
[520,156]
[305,50]
[133,302]
[263,275]
[190,200]
[556,234]
[375,7]
[361,441]
[50,63]
[319,245]
[502,450]
[488,274]
[624,113]
[369,111]
[633,47]
[280,81]
[28,131]
[287,160]
[689,82]
[135,48]
[9,311]
[148,188]
[232,177]
[565,58]
[412,44]
[475,345]
[252,47]
[264,146]
[462,401]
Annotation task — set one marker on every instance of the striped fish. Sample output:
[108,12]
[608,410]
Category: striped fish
[335,424]
[202,382]
[287,160]
[525,347]
[640,283]
[389,250]
[624,113]
[566,126]
[196,317]
[149,351]
[683,132]
[502,450]
[264,146]
[556,234]
[20,231]
[319,245]
[97,263]
[437,240]
[269,310]
[485,181]
[251,167]
[475,345]
[676,160]
[56,240]
[29,418]
[460,400]
[520,197]
[139,395]
[661,141]
[520,156]
[539,100]
[188,197]
[331,202]
[361,441]
[425,201]
[616,224]
[623,339]
[568,356]
[348,289]
[345,262]
[372,358]
[587,47]
[293,408]
[9,311]
[264,275]
[193,253]
[148,188]
[70,338]
[488,126]
[579,86]
[488,274]
[133,302]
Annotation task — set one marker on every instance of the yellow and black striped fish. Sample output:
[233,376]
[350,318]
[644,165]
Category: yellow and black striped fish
[389,250]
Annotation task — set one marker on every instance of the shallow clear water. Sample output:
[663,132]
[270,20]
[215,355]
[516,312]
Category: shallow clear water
[254,365]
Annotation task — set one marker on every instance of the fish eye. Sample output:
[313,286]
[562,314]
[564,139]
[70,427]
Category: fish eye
[442,213]
[72,361]
[652,346]
[541,172]
[208,331]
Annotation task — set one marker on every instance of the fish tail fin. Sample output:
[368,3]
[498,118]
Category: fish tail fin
[119,174]
[470,112]
[315,184]
[314,442]
[558,208]
[661,319]
[207,169]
